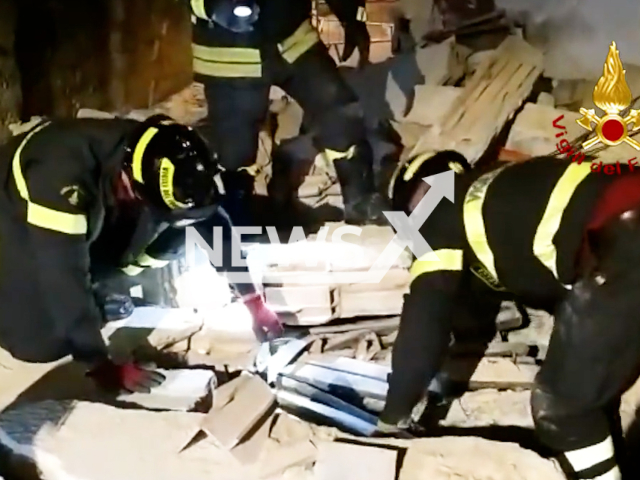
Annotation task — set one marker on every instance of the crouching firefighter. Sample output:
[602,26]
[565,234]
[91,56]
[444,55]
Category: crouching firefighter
[137,235]
[61,179]
[241,49]
[551,235]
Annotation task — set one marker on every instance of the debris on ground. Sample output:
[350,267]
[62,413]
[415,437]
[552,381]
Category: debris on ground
[303,407]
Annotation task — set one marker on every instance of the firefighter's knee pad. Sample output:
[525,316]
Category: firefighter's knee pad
[340,128]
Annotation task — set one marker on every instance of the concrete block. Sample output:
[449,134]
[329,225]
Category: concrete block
[343,461]
[182,391]
[470,458]
[92,441]
[151,327]
[240,419]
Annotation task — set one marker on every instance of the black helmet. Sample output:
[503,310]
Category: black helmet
[171,167]
[410,173]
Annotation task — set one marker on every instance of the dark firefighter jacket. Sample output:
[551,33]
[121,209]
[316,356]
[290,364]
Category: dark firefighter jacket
[517,229]
[56,180]
[62,233]
[515,232]
[284,25]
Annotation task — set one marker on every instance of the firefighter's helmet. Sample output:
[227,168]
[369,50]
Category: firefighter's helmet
[410,173]
[171,167]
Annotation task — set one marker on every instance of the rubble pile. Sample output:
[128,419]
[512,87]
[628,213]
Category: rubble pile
[304,406]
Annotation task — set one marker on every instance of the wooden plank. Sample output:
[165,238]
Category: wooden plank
[489,99]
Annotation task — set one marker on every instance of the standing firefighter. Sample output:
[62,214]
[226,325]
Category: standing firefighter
[62,179]
[241,49]
[552,235]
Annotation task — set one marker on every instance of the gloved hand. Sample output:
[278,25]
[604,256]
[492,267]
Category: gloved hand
[266,323]
[112,377]
[357,36]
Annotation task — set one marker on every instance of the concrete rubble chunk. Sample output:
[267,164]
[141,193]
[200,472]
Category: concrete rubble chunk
[91,441]
[240,420]
[484,408]
[182,390]
[151,327]
[289,445]
[343,461]
[452,458]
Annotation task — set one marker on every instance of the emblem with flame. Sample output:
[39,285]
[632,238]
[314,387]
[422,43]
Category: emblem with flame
[612,95]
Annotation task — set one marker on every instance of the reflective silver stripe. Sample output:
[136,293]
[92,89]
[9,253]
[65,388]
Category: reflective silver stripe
[587,457]
[361,16]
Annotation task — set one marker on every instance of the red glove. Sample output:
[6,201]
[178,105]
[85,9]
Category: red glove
[266,323]
[130,377]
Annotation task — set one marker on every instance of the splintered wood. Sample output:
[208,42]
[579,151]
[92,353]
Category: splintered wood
[490,98]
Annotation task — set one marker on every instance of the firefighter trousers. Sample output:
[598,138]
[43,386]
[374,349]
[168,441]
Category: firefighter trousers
[593,358]
[238,106]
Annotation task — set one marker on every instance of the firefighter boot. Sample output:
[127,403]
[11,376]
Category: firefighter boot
[238,187]
[363,205]
[291,160]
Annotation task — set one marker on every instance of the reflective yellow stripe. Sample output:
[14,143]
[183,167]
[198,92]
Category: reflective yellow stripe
[197,7]
[167,170]
[145,260]
[228,62]
[227,70]
[132,270]
[444,259]
[414,165]
[543,247]
[138,153]
[332,155]
[38,215]
[361,16]
[305,37]
[226,54]
[474,221]
[51,219]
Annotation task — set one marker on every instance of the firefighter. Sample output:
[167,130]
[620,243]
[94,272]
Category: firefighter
[61,179]
[556,236]
[242,48]
[140,235]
